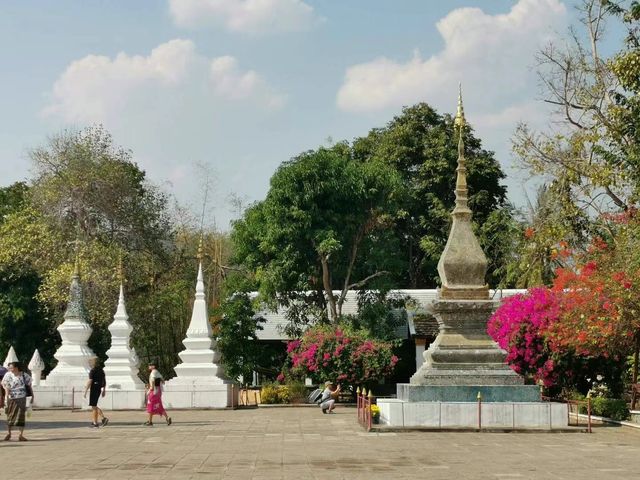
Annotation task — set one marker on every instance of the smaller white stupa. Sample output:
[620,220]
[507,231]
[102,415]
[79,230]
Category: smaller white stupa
[200,380]
[74,354]
[36,366]
[121,367]
[11,357]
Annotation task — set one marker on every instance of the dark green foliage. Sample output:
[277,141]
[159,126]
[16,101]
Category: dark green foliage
[323,227]
[421,146]
[613,408]
[23,324]
[12,198]
[236,331]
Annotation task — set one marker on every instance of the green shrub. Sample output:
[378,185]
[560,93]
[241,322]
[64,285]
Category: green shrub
[613,408]
[272,393]
[297,392]
[284,395]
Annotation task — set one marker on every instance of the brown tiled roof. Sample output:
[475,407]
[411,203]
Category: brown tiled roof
[425,325]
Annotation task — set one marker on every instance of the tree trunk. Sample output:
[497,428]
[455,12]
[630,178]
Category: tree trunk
[634,375]
[326,283]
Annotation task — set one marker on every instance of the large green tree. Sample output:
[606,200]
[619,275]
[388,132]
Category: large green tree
[89,199]
[324,226]
[421,145]
[23,324]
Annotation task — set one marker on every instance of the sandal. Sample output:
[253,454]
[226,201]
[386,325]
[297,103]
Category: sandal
[147,424]
[168,420]
[22,439]
[105,420]
[7,437]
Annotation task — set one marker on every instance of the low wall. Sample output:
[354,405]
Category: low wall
[512,415]
[217,396]
[57,397]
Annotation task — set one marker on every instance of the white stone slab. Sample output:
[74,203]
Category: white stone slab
[532,415]
[458,415]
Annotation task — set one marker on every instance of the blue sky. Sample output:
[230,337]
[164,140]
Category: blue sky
[243,85]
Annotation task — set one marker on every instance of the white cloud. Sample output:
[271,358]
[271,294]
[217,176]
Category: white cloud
[230,82]
[490,54]
[95,87]
[98,89]
[245,16]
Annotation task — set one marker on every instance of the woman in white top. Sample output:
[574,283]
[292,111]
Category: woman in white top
[154,396]
[17,384]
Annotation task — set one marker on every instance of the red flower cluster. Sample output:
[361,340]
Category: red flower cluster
[325,353]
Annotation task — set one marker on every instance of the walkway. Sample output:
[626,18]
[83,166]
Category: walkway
[301,444]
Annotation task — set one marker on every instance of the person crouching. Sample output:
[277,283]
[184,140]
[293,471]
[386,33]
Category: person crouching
[329,396]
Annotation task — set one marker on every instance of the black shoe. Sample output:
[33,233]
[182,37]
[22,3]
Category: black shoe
[324,410]
[94,425]
[147,424]
[168,420]
[105,420]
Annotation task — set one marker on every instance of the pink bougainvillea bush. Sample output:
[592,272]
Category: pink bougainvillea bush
[341,355]
[519,326]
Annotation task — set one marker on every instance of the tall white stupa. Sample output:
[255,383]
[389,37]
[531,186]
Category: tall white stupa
[73,355]
[199,378]
[121,367]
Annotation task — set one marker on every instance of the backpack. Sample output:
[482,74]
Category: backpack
[315,396]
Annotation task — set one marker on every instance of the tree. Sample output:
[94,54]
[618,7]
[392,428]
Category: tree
[593,149]
[421,146]
[321,228]
[90,200]
[236,330]
[23,324]
[88,186]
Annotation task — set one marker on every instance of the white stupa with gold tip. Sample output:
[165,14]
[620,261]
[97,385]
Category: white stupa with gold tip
[74,354]
[199,376]
[121,369]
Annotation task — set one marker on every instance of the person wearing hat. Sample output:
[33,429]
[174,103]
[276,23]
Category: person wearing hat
[154,395]
[329,395]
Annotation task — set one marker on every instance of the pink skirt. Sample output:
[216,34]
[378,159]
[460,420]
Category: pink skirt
[154,402]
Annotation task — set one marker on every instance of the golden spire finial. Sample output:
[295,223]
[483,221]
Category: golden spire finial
[120,270]
[200,247]
[76,263]
[460,121]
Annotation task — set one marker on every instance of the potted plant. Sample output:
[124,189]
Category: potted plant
[375,413]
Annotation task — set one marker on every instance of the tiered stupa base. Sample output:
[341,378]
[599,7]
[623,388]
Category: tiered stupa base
[199,392]
[464,365]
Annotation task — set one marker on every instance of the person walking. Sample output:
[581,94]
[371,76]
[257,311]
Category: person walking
[97,387]
[17,385]
[154,395]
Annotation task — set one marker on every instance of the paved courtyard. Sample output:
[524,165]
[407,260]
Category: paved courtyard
[301,443]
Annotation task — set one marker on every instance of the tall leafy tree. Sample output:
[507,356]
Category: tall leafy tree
[421,146]
[322,228]
[23,324]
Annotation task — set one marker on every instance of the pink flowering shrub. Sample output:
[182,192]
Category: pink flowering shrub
[519,326]
[333,353]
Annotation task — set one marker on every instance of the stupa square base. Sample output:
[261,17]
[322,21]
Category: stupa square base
[467,393]
[193,395]
[472,415]
[55,397]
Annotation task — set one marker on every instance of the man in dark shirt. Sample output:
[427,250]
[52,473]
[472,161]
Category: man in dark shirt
[97,387]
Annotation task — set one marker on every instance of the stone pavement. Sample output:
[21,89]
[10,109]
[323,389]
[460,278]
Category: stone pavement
[301,443]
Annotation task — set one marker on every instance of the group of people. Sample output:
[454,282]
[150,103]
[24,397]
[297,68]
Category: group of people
[16,388]
[97,387]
